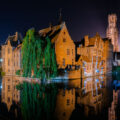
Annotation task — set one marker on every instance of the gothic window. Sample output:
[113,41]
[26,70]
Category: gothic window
[8,50]
[8,62]
[68,51]
[8,88]
[68,102]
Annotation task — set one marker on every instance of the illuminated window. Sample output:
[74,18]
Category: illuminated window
[64,40]
[64,61]
[68,51]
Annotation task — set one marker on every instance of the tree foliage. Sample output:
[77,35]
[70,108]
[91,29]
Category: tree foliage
[38,56]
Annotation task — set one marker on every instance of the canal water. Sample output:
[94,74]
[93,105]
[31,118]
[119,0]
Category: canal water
[95,98]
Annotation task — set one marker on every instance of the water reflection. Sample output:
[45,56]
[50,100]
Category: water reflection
[86,99]
[65,104]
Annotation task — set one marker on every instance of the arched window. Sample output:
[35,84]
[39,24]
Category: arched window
[8,50]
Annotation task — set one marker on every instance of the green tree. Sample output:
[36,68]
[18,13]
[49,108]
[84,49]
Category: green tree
[38,56]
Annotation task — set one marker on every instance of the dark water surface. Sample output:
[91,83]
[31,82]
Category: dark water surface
[92,99]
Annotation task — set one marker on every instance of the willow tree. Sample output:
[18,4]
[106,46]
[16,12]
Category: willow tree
[38,56]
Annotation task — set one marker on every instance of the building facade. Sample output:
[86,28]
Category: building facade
[95,55]
[64,45]
[112,31]
[8,52]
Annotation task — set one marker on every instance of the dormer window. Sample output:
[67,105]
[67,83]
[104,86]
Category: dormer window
[64,40]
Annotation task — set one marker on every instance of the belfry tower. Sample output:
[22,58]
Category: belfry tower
[112,31]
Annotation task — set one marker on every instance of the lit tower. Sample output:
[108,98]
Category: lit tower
[112,31]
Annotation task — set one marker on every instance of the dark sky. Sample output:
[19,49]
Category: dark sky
[81,16]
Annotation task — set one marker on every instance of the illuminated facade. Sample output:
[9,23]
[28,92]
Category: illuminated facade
[95,55]
[112,115]
[9,91]
[65,104]
[64,45]
[10,56]
[112,31]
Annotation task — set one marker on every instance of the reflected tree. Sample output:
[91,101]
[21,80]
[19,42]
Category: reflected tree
[37,101]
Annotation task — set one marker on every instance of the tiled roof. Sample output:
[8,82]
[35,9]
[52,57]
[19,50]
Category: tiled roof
[52,32]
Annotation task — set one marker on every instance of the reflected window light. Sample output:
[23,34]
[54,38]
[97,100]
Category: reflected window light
[97,80]
[1,60]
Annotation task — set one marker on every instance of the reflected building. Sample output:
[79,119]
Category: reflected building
[112,111]
[9,91]
[95,55]
[65,104]
[91,96]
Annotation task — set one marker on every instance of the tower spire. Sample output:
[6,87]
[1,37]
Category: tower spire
[60,16]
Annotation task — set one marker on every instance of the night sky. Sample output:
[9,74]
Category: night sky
[82,17]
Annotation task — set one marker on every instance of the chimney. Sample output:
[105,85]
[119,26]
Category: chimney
[86,40]
[16,36]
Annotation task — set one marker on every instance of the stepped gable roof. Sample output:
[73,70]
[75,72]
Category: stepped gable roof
[15,40]
[92,41]
[52,32]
